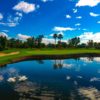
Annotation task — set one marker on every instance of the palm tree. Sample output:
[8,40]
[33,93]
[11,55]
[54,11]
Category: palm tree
[55,37]
[60,36]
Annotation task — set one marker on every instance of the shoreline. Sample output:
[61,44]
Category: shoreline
[51,56]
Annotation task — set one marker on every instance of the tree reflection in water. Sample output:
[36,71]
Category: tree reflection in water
[58,64]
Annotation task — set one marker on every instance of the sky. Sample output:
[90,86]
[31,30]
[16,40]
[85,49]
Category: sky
[72,18]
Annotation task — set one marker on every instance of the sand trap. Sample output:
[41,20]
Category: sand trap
[12,53]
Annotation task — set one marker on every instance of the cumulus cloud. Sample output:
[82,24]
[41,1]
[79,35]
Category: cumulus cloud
[94,14]
[25,7]
[86,36]
[90,3]
[3,34]
[23,36]
[63,29]
[1,16]
[79,17]
[68,16]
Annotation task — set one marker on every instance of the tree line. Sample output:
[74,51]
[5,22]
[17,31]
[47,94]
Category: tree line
[36,42]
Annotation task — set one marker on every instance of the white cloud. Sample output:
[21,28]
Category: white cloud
[25,7]
[63,29]
[86,36]
[12,24]
[94,14]
[23,36]
[68,16]
[90,3]
[84,29]
[11,21]
[46,0]
[79,17]
[78,24]
[19,14]
[5,31]
[98,22]
[1,16]
[3,34]
[74,10]
[47,41]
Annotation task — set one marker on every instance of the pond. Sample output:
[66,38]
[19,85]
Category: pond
[64,79]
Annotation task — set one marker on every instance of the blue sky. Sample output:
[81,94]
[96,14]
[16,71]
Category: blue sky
[21,19]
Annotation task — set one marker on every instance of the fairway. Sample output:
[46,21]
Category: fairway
[8,55]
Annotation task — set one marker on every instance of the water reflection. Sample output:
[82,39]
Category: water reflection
[58,64]
[90,93]
[76,79]
[29,90]
[90,59]
[12,75]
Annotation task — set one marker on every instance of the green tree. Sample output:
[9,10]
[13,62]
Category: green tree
[60,36]
[3,42]
[74,42]
[90,44]
[55,36]
[31,42]
[12,43]
[39,40]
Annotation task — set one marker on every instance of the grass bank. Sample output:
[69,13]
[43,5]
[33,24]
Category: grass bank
[23,54]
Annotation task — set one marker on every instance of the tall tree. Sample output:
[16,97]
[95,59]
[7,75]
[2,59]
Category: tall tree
[12,43]
[90,43]
[3,42]
[60,36]
[74,41]
[55,37]
[31,42]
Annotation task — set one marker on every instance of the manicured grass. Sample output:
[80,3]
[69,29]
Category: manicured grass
[30,52]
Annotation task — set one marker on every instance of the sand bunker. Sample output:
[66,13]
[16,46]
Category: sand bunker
[12,53]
